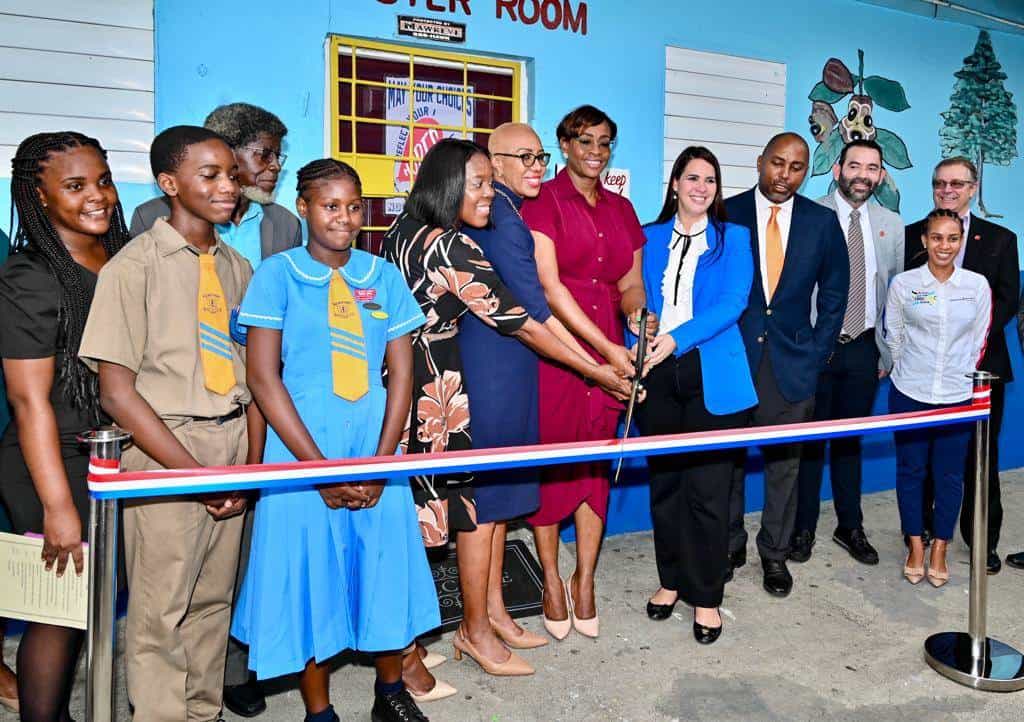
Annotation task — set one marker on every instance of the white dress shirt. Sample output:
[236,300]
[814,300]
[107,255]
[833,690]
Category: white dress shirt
[963,242]
[843,210]
[937,332]
[784,219]
[677,281]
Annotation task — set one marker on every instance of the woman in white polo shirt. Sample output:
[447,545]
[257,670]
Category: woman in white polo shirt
[936,322]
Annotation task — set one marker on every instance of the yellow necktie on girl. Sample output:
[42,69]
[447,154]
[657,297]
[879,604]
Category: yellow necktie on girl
[214,335]
[349,368]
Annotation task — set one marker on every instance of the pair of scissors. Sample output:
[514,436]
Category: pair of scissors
[638,367]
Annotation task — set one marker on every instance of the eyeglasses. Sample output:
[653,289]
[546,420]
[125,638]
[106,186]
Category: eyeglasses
[528,158]
[954,184]
[588,143]
[267,155]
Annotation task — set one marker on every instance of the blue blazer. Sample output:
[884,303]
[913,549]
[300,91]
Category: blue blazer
[721,288]
[815,256]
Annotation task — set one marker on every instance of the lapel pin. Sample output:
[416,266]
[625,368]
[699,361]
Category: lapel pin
[977,237]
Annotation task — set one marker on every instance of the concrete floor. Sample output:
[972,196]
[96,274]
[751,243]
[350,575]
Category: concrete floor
[845,646]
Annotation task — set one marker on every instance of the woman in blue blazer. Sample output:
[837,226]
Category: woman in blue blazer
[697,272]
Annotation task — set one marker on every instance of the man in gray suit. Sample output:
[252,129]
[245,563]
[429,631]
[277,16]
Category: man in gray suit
[258,228]
[847,385]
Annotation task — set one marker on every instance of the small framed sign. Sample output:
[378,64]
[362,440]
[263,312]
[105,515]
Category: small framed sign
[431,29]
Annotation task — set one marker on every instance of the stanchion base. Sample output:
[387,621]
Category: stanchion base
[1001,670]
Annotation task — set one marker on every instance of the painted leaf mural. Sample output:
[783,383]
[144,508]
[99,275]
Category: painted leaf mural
[981,122]
[834,127]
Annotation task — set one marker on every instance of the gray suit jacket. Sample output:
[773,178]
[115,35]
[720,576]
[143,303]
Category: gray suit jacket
[279,229]
[887,229]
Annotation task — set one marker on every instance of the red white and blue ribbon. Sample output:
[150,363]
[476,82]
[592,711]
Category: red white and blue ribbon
[106,485]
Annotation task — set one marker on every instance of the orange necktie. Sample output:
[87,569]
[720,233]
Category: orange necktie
[774,255]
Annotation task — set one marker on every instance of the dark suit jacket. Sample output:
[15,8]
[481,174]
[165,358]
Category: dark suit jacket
[279,229]
[992,252]
[815,257]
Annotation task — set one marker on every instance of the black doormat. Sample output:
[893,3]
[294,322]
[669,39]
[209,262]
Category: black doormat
[521,584]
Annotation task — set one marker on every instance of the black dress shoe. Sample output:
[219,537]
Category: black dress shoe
[993,564]
[245,700]
[777,580]
[1016,560]
[397,707]
[707,635]
[660,612]
[800,547]
[856,542]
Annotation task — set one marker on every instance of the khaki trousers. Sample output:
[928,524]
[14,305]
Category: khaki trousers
[181,573]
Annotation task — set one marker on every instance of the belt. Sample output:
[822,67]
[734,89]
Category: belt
[845,338]
[220,420]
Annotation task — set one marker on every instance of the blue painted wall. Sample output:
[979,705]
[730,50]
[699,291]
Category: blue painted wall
[208,53]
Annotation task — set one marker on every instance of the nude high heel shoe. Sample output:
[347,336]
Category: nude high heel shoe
[514,666]
[586,627]
[914,575]
[441,690]
[524,640]
[559,628]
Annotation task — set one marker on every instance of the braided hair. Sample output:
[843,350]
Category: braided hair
[323,170]
[36,234]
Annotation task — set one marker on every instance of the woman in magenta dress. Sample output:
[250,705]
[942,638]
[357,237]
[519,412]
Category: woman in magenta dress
[588,249]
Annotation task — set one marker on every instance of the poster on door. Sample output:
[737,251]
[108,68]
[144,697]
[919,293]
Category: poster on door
[433,105]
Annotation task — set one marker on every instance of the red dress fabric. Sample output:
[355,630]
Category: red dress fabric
[594,246]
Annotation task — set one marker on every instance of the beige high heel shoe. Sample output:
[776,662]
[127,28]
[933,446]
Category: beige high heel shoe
[524,640]
[514,666]
[441,690]
[914,575]
[559,628]
[586,627]
[935,577]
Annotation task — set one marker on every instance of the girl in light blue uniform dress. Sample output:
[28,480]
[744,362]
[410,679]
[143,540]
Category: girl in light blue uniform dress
[339,566]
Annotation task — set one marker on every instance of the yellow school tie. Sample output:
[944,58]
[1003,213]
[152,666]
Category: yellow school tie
[348,349]
[214,338]
[774,255]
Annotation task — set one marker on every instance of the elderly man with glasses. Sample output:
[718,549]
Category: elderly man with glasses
[991,250]
[258,228]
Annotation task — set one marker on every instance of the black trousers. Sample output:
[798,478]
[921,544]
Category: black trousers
[781,466]
[846,389]
[689,492]
[995,503]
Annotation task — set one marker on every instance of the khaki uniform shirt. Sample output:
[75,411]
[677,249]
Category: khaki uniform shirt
[144,317]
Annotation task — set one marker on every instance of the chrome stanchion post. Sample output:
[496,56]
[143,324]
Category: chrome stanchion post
[105,457]
[973,658]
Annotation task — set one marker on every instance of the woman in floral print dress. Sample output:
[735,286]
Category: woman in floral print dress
[449,275]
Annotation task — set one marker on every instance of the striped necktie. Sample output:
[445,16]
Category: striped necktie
[855,318]
[349,368]
[214,338]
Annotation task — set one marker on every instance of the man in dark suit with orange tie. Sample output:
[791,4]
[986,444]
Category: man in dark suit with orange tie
[991,250]
[798,246]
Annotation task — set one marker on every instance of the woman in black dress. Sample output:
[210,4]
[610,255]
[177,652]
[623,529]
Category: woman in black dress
[69,224]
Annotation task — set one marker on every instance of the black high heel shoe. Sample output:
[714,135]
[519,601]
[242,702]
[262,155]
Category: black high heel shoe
[706,635]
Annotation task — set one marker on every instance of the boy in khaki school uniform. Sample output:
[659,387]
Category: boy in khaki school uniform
[170,373]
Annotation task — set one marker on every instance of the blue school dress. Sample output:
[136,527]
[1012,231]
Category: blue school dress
[324,580]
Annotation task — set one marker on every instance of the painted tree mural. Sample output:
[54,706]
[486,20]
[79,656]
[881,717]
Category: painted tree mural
[981,122]
[858,121]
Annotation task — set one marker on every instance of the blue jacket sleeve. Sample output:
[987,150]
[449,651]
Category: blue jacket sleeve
[833,288]
[738,274]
